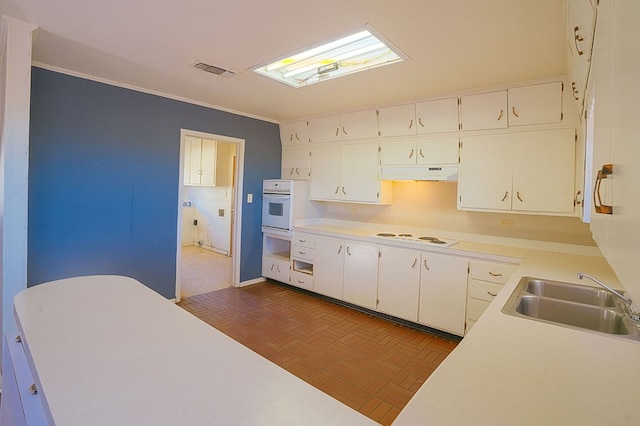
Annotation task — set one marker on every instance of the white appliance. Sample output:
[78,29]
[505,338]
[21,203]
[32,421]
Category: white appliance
[283,202]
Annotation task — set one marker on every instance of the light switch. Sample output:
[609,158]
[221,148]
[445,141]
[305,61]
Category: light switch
[249,198]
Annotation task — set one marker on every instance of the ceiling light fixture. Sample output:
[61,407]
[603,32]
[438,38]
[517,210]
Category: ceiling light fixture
[356,52]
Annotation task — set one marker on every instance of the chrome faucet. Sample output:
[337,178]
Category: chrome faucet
[630,308]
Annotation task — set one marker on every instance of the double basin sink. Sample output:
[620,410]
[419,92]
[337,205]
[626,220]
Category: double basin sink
[571,305]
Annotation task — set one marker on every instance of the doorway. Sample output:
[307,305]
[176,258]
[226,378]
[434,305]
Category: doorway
[209,212]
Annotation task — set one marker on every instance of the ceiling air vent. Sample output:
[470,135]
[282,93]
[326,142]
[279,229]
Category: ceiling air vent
[214,70]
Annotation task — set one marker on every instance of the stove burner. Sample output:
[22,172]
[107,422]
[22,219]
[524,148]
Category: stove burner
[385,234]
[405,235]
[433,240]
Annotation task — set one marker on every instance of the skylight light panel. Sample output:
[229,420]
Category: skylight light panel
[356,52]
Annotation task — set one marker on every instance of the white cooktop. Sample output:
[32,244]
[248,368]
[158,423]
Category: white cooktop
[425,239]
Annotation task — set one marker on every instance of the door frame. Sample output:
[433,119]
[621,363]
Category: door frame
[236,217]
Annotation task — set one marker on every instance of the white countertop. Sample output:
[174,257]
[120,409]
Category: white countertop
[109,351]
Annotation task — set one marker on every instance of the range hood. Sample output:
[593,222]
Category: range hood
[419,172]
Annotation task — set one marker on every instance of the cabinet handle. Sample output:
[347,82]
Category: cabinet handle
[577,38]
[421,154]
[411,123]
[18,339]
[426,265]
[518,195]
[337,189]
[513,110]
[420,122]
[340,249]
[343,191]
[500,115]
[493,274]
[411,154]
[291,137]
[300,282]
[607,169]
[278,268]
[297,138]
[574,89]
[491,294]
[415,261]
[506,194]
[297,172]
[291,174]
[337,131]
[302,241]
[33,389]
[348,251]
[272,265]
[302,252]
[344,131]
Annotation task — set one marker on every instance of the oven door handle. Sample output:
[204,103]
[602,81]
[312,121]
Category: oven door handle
[276,196]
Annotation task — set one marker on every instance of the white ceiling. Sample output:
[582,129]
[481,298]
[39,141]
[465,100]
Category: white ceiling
[453,45]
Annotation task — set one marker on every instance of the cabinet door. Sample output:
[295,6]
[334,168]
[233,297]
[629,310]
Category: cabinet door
[361,274]
[186,171]
[328,267]
[397,121]
[398,152]
[295,133]
[325,173]
[535,104]
[276,269]
[360,173]
[484,111]
[580,20]
[544,171]
[296,163]
[325,129]
[359,125]
[485,172]
[195,159]
[437,116]
[399,283]
[443,293]
[443,150]
[208,163]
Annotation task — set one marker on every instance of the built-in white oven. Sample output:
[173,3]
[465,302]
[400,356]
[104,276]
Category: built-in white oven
[277,206]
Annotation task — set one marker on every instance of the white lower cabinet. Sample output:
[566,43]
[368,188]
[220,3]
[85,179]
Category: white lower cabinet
[399,283]
[486,279]
[360,274]
[276,258]
[443,292]
[328,267]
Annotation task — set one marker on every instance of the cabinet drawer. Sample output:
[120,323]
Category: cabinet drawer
[483,290]
[302,280]
[475,308]
[301,252]
[304,240]
[492,272]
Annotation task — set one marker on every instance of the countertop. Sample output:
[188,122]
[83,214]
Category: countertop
[515,371]
[109,351]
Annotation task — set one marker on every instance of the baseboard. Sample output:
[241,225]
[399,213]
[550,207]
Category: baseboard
[251,282]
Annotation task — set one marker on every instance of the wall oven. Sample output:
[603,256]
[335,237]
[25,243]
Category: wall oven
[277,206]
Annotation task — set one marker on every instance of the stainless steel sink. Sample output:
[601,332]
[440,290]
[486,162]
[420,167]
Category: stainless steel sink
[571,305]
[572,292]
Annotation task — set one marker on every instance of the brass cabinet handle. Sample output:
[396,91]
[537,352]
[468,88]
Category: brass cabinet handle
[500,116]
[33,389]
[278,268]
[344,131]
[302,241]
[506,194]
[519,197]
[297,138]
[421,154]
[607,169]
[420,122]
[300,282]
[348,251]
[272,266]
[513,110]
[337,131]
[411,123]
[337,189]
[411,154]
[574,89]
[426,265]
[343,191]
[340,249]
[302,252]
[491,294]
[577,38]
[297,172]
[291,137]
[291,174]
[493,274]
[415,261]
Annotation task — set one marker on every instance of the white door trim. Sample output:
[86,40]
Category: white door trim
[237,207]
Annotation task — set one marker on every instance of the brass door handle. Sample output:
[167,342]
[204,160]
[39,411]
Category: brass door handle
[500,116]
[607,169]
[414,263]
[519,197]
[506,194]
[574,89]
[577,38]
[426,265]
[421,153]
[513,110]
[411,154]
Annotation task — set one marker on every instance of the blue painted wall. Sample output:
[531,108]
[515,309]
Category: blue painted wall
[103,180]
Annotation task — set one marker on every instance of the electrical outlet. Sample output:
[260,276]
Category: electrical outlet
[507,223]
[354,210]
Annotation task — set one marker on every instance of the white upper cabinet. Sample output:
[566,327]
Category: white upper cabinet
[296,162]
[352,126]
[421,150]
[535,104]
[524,172]
[580,31]
[295,133]
[200,162]
[484,111]
[422,118]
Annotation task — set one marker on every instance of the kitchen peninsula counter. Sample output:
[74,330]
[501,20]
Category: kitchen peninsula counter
[106,350]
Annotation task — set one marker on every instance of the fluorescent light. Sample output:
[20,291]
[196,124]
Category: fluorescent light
[356,52]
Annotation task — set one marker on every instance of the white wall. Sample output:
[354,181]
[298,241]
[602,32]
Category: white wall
[213,231]
[15,86]
[433,205]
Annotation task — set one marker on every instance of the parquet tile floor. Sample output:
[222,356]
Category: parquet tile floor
[370,364]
